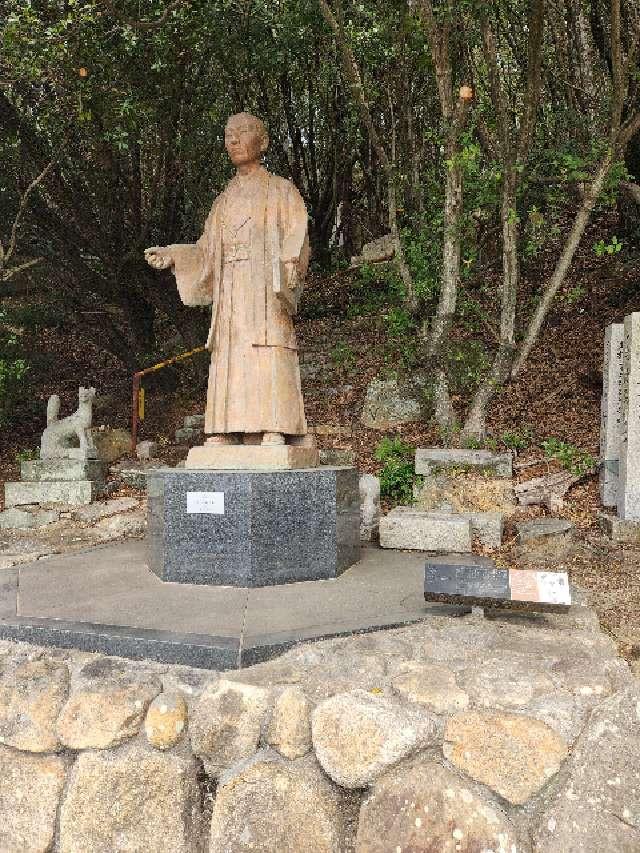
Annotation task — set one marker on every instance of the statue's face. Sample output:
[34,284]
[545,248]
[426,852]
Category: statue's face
[243,141]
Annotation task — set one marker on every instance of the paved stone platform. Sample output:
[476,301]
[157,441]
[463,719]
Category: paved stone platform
[107,600]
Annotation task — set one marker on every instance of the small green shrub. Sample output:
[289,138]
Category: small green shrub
[343,356]
[517,439]
[27,455]
[397,475]
[577,461]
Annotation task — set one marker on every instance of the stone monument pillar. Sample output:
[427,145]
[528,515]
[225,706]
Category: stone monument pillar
[610,426]
[251,507]
[629,478]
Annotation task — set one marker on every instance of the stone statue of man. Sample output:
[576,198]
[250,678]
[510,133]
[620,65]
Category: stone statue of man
[249,265]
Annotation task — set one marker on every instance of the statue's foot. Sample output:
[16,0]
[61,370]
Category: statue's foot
[272,438]
[223,438]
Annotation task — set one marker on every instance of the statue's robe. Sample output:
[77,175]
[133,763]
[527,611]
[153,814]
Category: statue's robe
[236,266]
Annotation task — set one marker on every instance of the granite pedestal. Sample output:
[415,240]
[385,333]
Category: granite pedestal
[252,528]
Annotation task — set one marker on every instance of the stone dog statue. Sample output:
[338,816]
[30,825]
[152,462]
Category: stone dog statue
[69,438]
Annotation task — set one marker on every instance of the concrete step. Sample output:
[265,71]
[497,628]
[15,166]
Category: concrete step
[76,493]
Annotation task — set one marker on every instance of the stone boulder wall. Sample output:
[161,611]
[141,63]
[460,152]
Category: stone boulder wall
[515,734]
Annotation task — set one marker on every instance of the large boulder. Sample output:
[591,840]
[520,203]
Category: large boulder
[357,735]
[30,789]
[512,754]
[103,713]
[426,807]
[597,807]
[226,723]
[111,444]
[134,799]
[266,805]
[387,406]
[31,697]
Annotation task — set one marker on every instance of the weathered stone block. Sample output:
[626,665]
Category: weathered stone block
[513,754]
[147,449]
[74,493]
[610,420]
[546,529]
[406,528]
[430,460]
[424,806]
[30,789]
[629,481]
[188,435]
[618,529]
[193,422]
[357,736]
[31,697]
[62,470]
[135,799]
[267,805]
[290,725]
[369,507]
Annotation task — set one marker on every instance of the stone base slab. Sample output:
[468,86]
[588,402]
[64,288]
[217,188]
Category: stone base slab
[252,457]
[74,493]
[61,470]
[620,529]
[411,529]
[430,460]
[252,528]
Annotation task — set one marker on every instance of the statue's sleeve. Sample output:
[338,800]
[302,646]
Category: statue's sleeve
[296,240]
[194,264]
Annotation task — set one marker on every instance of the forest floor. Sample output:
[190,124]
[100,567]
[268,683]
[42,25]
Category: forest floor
[348,334]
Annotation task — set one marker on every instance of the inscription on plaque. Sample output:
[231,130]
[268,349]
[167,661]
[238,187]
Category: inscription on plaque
[478,581]
[211,503]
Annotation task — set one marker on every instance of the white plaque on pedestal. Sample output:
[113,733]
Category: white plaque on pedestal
[205,502]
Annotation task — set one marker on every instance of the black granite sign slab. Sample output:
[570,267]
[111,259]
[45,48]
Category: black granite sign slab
[477,581]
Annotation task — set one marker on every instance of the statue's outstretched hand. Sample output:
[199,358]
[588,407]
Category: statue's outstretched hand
[158,257]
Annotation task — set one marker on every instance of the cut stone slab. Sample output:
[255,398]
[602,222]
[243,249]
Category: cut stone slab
[357,735]
[406,528]
[336,456]
[430,460]
[611,415]
[62,470]
[628,489]
[512,754]
[478,581]
[147,449]
[149,798]
[617,529]
[30,789]
[136,475]
[193,422]
[23,519]
[369,507]
[188,435]
[76,493]
[267,805]
[597,807]
[253,457]
[424,806]
[545,529]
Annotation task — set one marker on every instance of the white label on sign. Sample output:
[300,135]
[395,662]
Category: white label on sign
[211,502]
[554,587]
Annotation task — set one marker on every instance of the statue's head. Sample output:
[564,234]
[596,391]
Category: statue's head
[245,138]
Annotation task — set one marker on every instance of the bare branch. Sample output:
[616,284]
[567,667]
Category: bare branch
[143,25]
[6,254]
